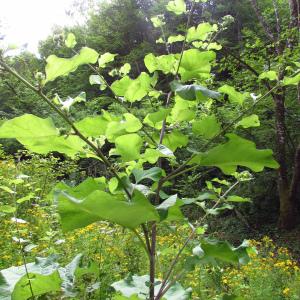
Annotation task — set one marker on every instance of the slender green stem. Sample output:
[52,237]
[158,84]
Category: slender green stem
[141,241]
[19,239]
[185,37]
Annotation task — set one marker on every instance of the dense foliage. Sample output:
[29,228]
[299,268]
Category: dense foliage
[135,159]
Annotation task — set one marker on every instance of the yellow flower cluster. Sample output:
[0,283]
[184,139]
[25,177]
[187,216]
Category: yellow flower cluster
[270,264]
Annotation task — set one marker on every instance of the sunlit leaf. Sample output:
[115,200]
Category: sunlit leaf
[201,32]
[237,152]
[158,21]
[8,209]
[165,63]
[40,135]
[156,119]
[270,75]
[106,58]
[250,121]
[234,198]
[128,146]
[175,38]
[57,66]
[92,126]
[133,89]
[294,80]
[183,110]
[70,41]
[178,7]
[40,284]
[234,96]
[196,64]
[125,69]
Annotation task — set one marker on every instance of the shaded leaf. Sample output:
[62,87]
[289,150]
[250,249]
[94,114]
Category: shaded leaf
[99,205]
[154,174]
[207,126]
[193,91]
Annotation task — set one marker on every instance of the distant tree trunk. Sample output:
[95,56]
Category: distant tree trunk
[294,13]
[287,189]
[288,204]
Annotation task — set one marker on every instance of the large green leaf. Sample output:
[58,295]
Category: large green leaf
[40,284]
[234,96]
[139,285]
[92,126]
[201,32]
[57,66]
[196,64]
[174,140]
[10,277]
[132,123]
[236,152]
[40,135]
[165,63]
[99,205]
[193,91]
[133,89]
[211,250]
[183,110]
[178,7]
[207,126]
[46,275]
[128,146]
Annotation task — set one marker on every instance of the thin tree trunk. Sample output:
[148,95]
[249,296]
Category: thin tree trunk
[288,203]
[287,217]
[294,13]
